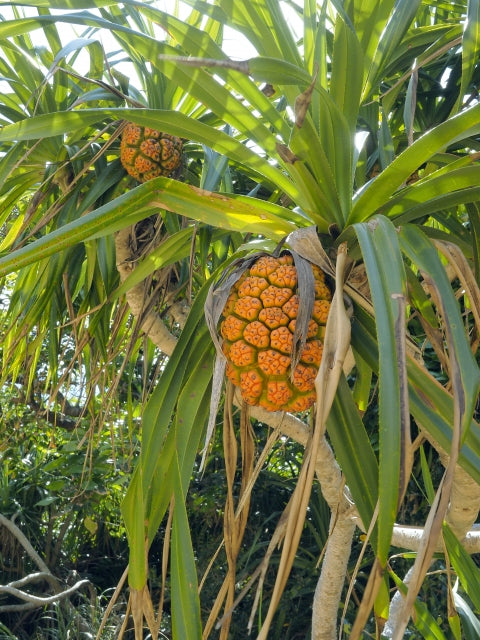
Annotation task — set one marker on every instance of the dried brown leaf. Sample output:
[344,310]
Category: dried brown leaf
[406,455]
[230,533]
[307,244]
[286,154]
[306,295]
[303,101]
[247,485]
[463,271]
[375,579]
[214,305]
[336,343]
[111,604]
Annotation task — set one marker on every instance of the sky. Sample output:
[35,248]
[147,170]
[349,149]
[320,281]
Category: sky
[236,47]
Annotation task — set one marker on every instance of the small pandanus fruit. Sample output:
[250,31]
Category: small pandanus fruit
[146,153]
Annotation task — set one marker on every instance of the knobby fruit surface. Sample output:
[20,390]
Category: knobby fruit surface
[257,327]
[147,153]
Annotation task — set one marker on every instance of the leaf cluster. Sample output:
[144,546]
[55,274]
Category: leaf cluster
[360,122]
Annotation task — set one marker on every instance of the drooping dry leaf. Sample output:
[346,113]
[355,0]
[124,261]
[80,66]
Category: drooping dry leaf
[214,305]
[306,243]
[464,273]
[111,604]
[235,518]
[306,294]
[230,532]
[406,455]
[142,607]
[286,154]
[244,499]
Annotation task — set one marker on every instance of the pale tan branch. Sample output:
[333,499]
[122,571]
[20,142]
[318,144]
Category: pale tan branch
[396,605]
[23,540]
[408,538]
[38,601]
[329,588]
[31,601]
[38,576]
[464,502]
[150,321]
[343,523]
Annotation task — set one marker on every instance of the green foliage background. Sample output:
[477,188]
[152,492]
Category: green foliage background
[365,124]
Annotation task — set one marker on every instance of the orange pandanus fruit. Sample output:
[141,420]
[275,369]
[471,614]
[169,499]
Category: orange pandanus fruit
[258,330]
[147,153]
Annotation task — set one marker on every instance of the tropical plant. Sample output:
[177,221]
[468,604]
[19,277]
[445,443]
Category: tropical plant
[351,135]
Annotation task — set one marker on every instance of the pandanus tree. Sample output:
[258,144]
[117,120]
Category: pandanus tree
[348,139]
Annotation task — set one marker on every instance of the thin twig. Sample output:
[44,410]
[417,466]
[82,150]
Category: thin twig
[192,61]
